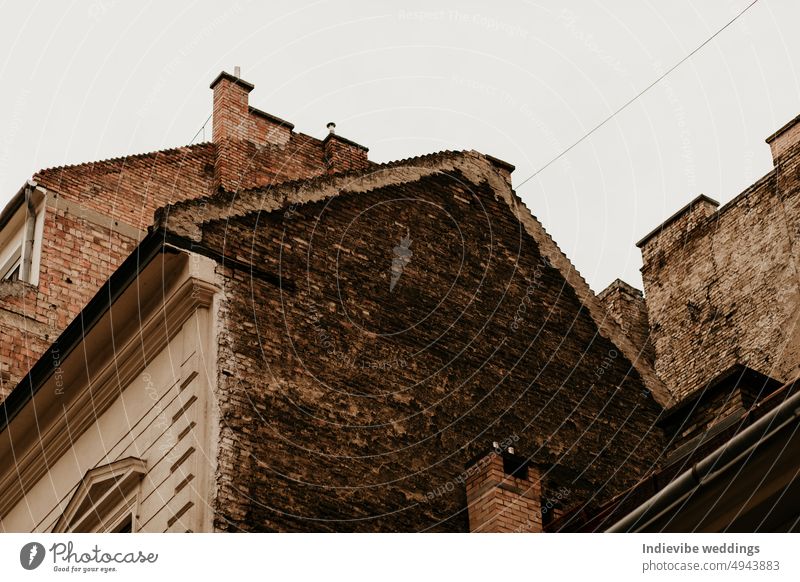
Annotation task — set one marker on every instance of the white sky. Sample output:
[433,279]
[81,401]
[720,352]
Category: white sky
[519,80]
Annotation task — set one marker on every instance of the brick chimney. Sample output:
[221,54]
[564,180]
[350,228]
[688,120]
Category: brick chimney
[503,494]
[230,113]
[234,118]
[675,231]
[784,139]
[343,155]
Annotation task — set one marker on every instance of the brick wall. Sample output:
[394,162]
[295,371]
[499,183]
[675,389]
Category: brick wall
[349,405]
[343,155]
[504,495]
[626,305]
[96,212]
[722,285]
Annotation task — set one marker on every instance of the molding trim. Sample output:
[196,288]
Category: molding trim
[59,203]
[126,475]
[117,369]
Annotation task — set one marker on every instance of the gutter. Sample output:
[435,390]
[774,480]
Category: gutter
[152,244]
[156,241]
[14,204]
[712,466]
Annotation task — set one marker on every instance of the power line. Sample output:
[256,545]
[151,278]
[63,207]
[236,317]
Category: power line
[635,97]
[202,128]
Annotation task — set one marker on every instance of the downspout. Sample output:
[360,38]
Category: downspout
[30,233]
[711,466]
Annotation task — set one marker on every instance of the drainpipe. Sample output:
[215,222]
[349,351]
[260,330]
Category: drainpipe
[30,232]
[711,466]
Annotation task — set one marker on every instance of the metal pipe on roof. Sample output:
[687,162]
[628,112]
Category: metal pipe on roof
[707,469]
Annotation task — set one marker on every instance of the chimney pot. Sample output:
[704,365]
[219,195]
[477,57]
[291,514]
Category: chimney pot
[331,127]
[237,72]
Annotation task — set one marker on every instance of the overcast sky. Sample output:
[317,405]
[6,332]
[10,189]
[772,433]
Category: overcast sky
[519,80]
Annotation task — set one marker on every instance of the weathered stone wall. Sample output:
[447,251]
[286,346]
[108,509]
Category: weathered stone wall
[349,403]
[626,305]
[722,286]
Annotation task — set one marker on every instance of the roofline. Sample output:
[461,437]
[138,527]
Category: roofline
[71,337]
[710,467]
[235,80]
[786,127]
[738,371]
[155,242]
[509,167]
[620,284]
[15,203]
[270,117]
[674,217]
[345,140]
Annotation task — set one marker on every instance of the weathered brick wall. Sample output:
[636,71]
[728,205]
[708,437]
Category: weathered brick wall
[343,155]
[130,189]
[626,305]
[241,165]
[347,404]
[722,286]
[97,211]
[77,257]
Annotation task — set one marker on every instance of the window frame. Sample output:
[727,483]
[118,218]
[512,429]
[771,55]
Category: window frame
[114,506]
[21,237]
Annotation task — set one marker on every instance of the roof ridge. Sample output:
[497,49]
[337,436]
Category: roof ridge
[310,181]
[606,325]
[619,283]
[288,193]
[142,155]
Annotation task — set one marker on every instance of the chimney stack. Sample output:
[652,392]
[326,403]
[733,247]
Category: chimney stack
[503,494]
[231,108]
[784,139]
[341,154]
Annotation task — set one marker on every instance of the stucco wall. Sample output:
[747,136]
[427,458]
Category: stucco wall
[163,415]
